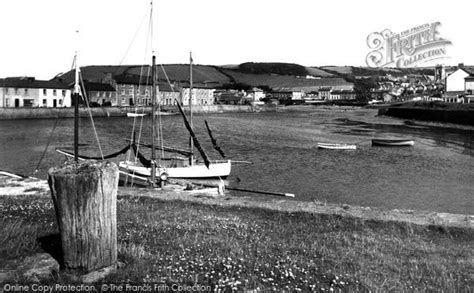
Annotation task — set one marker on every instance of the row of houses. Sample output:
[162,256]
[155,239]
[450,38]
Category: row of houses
[133,90]
[454,86]
[16,92]
[330,94]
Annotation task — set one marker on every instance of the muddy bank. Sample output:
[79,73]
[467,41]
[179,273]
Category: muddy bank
[39,113]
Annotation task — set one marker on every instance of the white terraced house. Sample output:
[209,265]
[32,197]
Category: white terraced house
[18,92]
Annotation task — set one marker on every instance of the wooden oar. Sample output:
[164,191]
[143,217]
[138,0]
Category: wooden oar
[237,189]
[241,162]
[262,192]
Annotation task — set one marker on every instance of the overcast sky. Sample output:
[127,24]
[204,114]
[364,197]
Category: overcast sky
[38,36]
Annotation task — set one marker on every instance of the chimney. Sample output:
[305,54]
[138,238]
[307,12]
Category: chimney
[461,65]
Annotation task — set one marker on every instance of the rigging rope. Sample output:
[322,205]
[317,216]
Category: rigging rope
[139,88]
[52,131]
[47,146]
[113,155]
[90,114]
[133,38]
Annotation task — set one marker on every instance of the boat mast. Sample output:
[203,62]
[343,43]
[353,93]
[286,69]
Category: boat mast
[75,98]
[153,122]
[191,144]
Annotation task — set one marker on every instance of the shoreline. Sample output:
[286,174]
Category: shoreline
[38,187]
[48,113]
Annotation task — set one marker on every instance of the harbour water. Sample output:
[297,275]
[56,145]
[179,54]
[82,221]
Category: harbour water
[436,174]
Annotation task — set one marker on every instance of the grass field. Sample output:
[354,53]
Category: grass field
[175,242]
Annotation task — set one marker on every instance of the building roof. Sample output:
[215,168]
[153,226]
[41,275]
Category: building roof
[470,77]
[133,79]
[230,97]
[97,86]
[324,89]
[460,68]
[31,82]
[143,81]
[342,92]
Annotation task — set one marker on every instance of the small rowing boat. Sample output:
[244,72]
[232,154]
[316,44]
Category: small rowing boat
[336,146]
[135,114]
[393,142]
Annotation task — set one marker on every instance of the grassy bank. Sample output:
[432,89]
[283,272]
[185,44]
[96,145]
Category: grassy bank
[176,242]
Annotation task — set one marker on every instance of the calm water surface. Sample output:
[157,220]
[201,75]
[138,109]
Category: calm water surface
[436,174]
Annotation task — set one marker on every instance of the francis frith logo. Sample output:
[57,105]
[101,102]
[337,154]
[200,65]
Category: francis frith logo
[409,48]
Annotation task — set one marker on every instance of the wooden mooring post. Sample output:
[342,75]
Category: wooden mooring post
[85,199]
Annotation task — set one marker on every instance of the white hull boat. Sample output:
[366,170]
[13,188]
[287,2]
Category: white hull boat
[217,169]
[135,114]
[336,146]
[394,142]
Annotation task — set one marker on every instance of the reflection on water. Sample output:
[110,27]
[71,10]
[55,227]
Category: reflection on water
[436,174]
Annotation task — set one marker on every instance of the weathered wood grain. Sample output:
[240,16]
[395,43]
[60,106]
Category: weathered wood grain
[85,200]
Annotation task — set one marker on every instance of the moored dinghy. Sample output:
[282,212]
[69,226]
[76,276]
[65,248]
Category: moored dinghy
[129,114]
[336,146]
[393,142]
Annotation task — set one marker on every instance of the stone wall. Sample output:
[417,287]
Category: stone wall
[37,113]
[465,117]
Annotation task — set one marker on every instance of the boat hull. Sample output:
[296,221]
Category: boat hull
[135,115]
[218,169]
[393,142]
[336,146]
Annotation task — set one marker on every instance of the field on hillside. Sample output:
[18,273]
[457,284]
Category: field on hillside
[175,72]
[315,71]
[283,81]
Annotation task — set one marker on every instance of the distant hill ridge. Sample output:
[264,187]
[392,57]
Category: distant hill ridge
[274,75]
[272,68]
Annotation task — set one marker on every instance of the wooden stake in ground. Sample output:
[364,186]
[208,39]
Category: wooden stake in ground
[85,199]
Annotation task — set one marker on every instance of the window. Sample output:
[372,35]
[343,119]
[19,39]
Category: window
[7,102]
[60,102]
[45,92]
[16,91]
[26,91]
[44,102]
[63,92]
[54,93]
[6,91]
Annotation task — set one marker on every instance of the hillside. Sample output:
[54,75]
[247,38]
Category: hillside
[274,75]
[367,71]
[282,82]
[272,68]
[175,72]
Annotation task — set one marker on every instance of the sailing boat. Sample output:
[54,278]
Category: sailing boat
[176,167]
[167,167]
